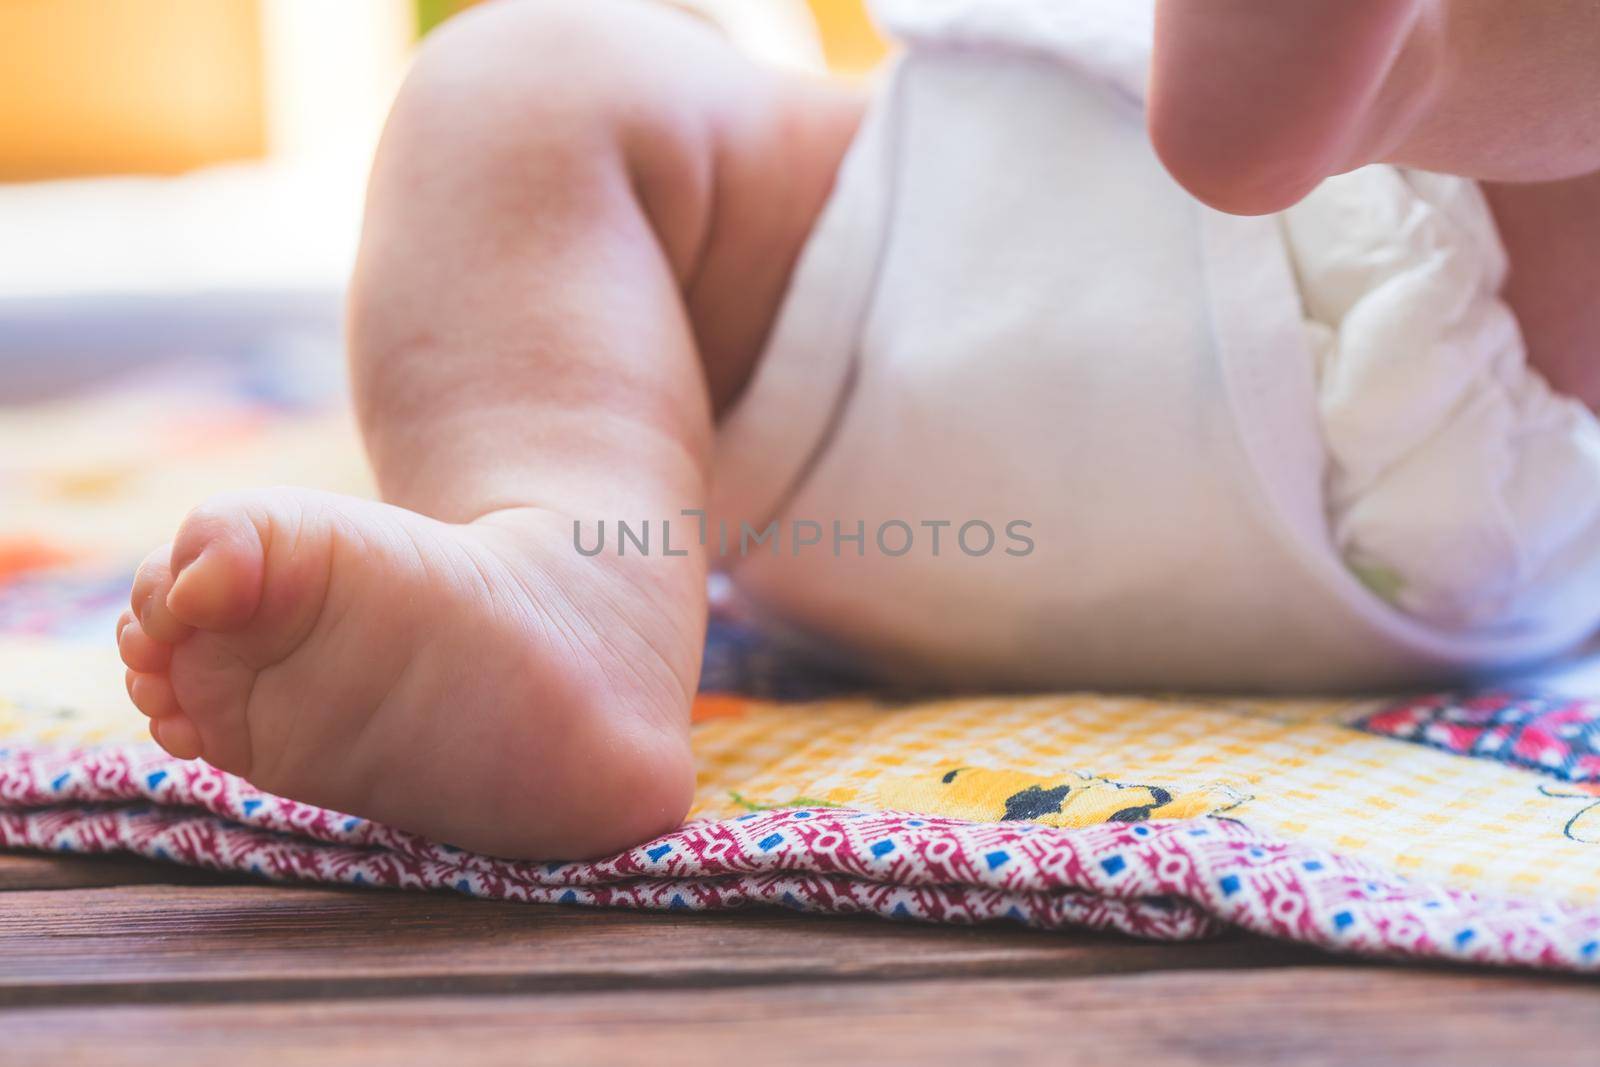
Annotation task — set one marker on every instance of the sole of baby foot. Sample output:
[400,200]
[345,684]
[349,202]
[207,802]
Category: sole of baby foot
[481,684]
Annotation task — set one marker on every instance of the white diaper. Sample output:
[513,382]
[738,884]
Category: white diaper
[1173,447]
[1460,487]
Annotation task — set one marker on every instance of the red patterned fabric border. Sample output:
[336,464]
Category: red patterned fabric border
[1164,880]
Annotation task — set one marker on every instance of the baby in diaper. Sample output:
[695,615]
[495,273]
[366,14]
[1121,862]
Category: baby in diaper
[1102,343]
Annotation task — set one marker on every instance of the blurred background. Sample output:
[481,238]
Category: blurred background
[181,174]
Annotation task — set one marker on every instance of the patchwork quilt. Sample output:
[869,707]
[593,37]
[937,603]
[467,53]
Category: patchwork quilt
[1452,826]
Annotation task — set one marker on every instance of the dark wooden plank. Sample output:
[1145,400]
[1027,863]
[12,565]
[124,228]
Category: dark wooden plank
[152,944]
[31,870]
[1315,1016]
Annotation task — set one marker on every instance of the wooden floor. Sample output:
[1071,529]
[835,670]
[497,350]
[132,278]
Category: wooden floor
[119,961]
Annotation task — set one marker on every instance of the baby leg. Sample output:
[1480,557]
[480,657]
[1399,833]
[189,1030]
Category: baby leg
[580,224]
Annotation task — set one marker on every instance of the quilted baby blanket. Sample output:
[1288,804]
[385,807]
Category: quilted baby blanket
[1452,826]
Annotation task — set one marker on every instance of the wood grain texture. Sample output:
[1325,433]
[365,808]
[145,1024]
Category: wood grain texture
[150,972]
[1321,1016]
[28,870]
[220,943]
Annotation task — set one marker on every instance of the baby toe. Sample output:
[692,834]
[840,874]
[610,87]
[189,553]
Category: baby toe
[178,736]
[151,586]
[139,650]
[152,573]
[218,562]
[152,694]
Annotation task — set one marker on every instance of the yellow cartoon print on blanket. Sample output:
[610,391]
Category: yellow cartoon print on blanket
[980,794]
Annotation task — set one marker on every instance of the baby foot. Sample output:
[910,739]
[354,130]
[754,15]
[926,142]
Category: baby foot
[480,684]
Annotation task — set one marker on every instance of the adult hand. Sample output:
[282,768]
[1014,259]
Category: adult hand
[1253,102]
